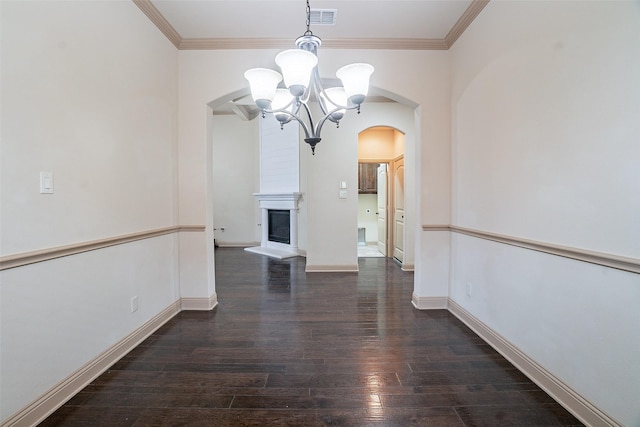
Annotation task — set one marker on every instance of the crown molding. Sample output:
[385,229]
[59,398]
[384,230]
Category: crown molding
[230,43]
[159,21]
[265,43]
[390,44]
[167,29]
[465,20]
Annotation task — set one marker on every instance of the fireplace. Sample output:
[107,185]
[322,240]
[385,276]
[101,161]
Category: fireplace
[279,226]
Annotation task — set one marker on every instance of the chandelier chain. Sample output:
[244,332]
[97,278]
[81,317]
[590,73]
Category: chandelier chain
[308,32]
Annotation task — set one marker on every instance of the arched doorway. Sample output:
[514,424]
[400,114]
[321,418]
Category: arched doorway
[381,151]
[378,112]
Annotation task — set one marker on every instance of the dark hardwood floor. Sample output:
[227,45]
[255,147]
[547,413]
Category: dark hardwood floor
[286,348]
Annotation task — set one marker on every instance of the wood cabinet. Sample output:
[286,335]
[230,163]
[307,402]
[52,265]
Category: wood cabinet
[367,178]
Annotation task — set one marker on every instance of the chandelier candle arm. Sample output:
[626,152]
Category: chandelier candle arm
[309,131]
[300,75]
[335,101]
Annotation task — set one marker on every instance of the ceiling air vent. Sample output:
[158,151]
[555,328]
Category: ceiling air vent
[323,16]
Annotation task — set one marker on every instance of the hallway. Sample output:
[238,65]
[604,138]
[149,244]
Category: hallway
[289,348]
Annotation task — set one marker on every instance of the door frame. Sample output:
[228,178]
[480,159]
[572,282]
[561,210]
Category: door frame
[393,165]
[391,173]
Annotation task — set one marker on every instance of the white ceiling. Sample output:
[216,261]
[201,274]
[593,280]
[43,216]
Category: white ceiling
[356,19]
[360,23]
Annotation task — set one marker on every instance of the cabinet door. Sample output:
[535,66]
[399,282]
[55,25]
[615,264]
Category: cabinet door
[367,178]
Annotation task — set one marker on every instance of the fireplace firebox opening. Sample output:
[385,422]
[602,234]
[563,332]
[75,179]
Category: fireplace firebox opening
[279,226]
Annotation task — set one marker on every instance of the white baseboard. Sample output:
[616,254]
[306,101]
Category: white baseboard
[408,267]
[224,244]
[429,303]
[332,268]
[203,304]
[580,407]
[66,389]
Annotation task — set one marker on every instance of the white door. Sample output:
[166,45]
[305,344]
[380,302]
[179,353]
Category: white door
[382,208]
[398,212]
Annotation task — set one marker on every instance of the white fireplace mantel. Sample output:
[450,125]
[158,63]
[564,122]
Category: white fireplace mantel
[278,200]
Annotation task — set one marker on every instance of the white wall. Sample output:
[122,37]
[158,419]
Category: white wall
[98,108]
[545,147]
[333,235]
[81,101]
[235,179]
[59,315]
[368,220]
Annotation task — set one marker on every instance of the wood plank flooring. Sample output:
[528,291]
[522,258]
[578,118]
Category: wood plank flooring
[286,348]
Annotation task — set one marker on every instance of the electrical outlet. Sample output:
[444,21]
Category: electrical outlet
[468,285]
[134,304]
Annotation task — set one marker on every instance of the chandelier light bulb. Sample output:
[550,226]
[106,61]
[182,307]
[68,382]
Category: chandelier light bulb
[355,79]
[335,97]
[263,83]
[296,66]
[282,105]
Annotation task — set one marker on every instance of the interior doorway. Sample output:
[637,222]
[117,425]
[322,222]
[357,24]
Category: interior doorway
[381,193]
[372,207]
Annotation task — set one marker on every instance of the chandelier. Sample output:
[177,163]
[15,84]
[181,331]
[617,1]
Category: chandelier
[302,80]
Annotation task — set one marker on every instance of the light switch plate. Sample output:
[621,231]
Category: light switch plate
[343,185]
[342,194]
[46,183]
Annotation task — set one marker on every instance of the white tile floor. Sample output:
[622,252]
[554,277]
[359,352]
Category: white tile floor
[369,251]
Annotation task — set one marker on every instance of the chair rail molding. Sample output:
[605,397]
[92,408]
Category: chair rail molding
[600,258]
[26,258]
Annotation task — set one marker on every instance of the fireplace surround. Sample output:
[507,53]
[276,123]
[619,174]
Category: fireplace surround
[274,242]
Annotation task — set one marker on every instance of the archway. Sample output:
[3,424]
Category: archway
[381,213]
[371,111]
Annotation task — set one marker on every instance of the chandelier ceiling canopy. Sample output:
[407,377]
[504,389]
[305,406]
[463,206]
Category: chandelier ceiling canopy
[301,79]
